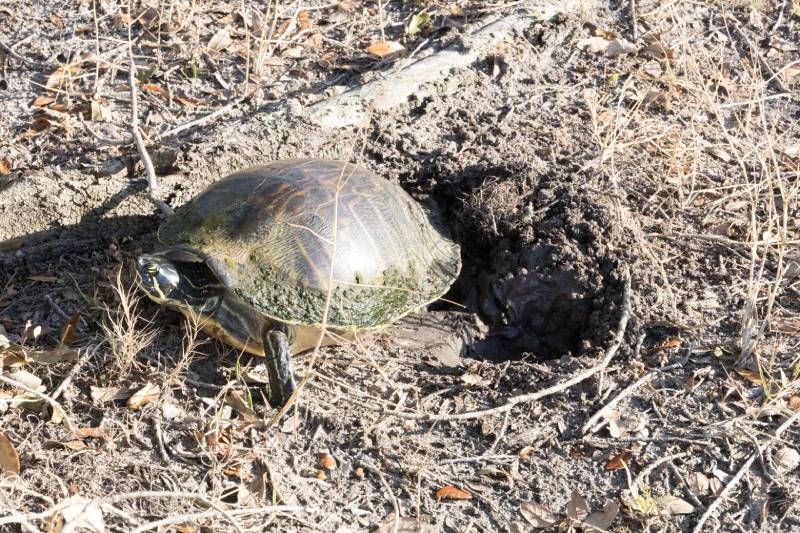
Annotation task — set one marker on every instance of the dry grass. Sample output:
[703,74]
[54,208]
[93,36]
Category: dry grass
[125,331]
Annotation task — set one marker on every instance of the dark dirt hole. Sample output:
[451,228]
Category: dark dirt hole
[540,265]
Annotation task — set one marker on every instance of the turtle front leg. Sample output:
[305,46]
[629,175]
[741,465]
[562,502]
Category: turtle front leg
[279,366]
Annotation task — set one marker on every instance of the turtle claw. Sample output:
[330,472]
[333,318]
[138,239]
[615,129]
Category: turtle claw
[279,365]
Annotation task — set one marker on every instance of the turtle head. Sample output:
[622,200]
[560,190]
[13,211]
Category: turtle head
[181,279]
[159,278]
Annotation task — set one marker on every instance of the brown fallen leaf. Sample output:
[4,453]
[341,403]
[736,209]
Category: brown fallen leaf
[5,170]
[698,483]
[751,375]
[151,87]
[121,20]
[56,21]
[302,21]
[69,333]
[452,493]
[95,432]
[538,515]
[321,475]
[42,101]
[619,461]
[74,445]
[148,393]
[794,402]
[602,520]
[61,74]
[385,48]
[9,458]
[673,342]
[327,461]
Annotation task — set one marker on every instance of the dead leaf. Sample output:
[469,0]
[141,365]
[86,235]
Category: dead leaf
[61,74]
[791,74]
[786,460]
[673,505]
[151,87]
[619,461]
[452,493]
[191,102]
[29,380]
[794,402]
[619,47]
[148,393]
[751,375]
[236,400]
[96,432]
[653,68]
[42,101]
[121,20]
[655,48]
[43,279]
[74,445]
[789,326]
[149,18]
[673,342]
[302,21]
[455,10]
[525,453]
[602,520]
[791,150]
[321,475]
[83,514]
[385,48]
[655,97]
[101,395]
[69,332]
[577,507]
[5,170]
[9,458]
[56,21]
[698,483]
[404,525]
[593,45]
[345,5]
[220,41]
[538,515]
[327,461]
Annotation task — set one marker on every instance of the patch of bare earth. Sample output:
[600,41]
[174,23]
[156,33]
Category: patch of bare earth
[620,352]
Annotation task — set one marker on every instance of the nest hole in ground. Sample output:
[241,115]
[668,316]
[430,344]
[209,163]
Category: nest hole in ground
[540,263]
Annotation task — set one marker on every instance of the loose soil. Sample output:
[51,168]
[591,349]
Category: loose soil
[560,170]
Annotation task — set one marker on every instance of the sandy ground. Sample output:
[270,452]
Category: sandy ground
[658,145]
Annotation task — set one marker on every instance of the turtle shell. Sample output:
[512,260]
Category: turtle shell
[284,235]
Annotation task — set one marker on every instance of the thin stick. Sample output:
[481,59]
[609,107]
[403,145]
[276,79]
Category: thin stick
[589,425]
[202,120]
[395,503]
[71,375]
[634,24]
[549,391]
[54,404]
[152,184]
[646,472]
[741,472]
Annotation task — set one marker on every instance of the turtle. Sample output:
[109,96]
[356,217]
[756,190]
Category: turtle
[255,257]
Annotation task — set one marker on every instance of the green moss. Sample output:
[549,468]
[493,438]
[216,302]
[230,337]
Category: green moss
[351,305]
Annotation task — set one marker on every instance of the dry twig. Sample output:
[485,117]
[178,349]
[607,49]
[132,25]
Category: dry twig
[589,425]
[741,472]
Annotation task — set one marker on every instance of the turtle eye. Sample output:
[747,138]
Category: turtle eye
[151,268]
